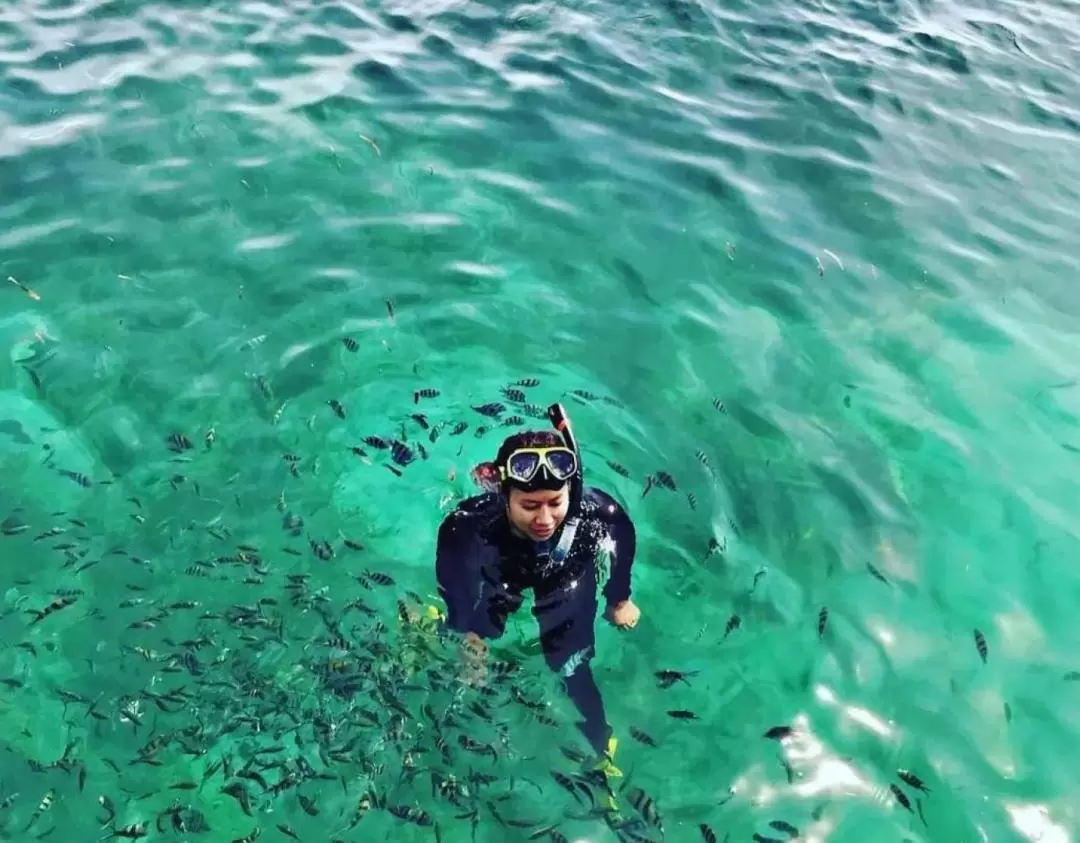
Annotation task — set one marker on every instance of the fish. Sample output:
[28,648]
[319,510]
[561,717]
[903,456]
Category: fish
[178,442]
[377,442]
[514,395]
[13,525]
[401,454]
[78,477]
[60,603]
[642,737]
[30,293]
[411,814]
[876,574]
[779,733]
[110,810]
[733,623]
[682,714]
[471,745]
[527,382]
[980,645]
[459,428]
[667,678]
[822,620]
[350,344]
[646,807]
[665,481]
[293,682]
[901,797]
[390,309]
[43,807]
[490,410]
[618,468]
[135,831]
[785,827]
[573,754]
[718,405]
[426,392]
[335,405]
[912,780]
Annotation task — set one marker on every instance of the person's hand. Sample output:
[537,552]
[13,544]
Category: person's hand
[624,615]
[473,660]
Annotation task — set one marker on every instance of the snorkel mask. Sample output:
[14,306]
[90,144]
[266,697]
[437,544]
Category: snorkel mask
[532,468]
[538,467]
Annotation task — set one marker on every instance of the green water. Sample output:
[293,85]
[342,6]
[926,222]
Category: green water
[851,226]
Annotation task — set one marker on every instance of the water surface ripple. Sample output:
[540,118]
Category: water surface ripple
[816,260]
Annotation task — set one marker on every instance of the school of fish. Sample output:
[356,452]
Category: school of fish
[321,699]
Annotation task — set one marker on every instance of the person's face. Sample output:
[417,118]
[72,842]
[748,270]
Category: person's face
[538,514]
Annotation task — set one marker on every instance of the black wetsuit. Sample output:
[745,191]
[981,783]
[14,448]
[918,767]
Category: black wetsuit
[483,566]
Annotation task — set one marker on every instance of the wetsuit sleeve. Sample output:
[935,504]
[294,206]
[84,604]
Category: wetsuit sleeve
[455,570]
[622,533]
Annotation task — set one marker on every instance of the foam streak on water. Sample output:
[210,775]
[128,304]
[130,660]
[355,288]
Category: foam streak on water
[816,261]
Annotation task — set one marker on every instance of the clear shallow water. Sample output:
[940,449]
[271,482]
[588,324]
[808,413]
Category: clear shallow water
[853,225]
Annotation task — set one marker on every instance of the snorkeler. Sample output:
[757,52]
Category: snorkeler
[539,527]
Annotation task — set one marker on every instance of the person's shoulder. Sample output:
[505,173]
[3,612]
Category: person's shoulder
[602,506]
[472,522]
[476,509]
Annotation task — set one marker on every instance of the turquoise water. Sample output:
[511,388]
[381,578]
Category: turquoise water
[819,258]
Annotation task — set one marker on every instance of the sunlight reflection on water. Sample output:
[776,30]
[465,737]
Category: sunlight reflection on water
[1034,823]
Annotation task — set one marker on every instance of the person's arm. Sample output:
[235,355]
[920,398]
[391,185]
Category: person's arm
[624,538]
[455,570]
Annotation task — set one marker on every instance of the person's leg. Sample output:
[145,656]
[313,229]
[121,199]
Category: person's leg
[567,637]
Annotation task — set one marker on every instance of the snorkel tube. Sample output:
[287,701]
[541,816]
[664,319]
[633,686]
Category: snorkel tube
[556,414]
